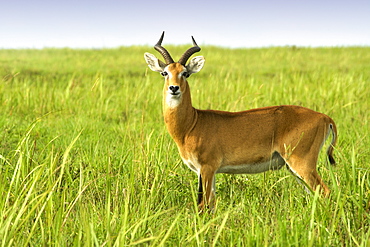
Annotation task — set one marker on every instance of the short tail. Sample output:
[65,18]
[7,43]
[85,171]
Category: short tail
[329,152]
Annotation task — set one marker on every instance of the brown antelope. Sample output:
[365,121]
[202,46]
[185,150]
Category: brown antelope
[251,141]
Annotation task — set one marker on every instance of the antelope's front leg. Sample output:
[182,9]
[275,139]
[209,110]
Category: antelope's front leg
[206,190]
[200,189]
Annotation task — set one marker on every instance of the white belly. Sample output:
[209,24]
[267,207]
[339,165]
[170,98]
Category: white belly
[193,164]
[273,164]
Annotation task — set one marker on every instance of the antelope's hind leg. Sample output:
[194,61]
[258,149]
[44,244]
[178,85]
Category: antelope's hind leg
[305,169]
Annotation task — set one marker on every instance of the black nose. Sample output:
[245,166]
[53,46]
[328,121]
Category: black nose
[174,88]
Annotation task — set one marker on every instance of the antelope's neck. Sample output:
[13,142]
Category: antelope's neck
[179,117]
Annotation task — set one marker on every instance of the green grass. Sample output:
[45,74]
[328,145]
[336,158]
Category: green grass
[85,159]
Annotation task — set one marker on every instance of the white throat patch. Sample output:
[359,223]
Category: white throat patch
[173,101]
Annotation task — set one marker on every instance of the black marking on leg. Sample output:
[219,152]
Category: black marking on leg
[200,190]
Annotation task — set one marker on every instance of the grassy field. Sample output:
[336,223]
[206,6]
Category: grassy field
[85,159]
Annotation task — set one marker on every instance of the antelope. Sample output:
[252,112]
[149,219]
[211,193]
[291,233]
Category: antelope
[246,142]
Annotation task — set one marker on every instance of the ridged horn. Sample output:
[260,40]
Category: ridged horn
[184,58]
[166,55]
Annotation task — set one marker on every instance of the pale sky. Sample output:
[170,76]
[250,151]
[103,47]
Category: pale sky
[228,23]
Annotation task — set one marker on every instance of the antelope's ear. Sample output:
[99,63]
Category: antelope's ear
[195,64]
[154,63]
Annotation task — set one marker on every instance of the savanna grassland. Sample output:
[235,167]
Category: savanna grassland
[85,159]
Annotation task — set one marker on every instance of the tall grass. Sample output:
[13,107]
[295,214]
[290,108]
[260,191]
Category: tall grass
[85,159]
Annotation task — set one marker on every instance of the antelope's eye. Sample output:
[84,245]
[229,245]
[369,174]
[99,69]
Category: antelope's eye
[186,74]
[164,73]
